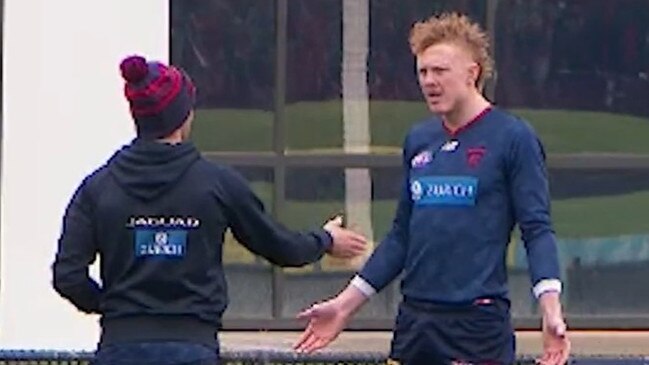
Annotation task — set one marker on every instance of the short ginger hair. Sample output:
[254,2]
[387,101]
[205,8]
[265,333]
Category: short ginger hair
[456,29]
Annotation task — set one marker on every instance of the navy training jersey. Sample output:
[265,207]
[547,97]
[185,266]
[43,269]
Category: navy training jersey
[461,196]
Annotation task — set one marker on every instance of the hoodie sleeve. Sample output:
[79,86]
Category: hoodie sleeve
[264,236]
[76,252]
[531,201]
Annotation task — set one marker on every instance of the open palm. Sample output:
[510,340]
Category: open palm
[326,321]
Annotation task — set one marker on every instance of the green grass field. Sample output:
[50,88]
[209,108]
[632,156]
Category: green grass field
[318,126]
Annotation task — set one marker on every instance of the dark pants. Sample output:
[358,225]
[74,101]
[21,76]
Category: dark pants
[156,353]
[434,334]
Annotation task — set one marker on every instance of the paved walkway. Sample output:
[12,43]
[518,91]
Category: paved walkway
[529,343]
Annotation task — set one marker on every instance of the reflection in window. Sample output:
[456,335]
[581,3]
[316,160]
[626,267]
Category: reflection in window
[228,48]
[603,238]
[578,70]
[307,208]
[591,55]
[392,70]
[313,79]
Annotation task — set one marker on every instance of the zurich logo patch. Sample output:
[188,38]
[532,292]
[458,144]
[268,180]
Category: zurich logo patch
[444,190]
[166,243]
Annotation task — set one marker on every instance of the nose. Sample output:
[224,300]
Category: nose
[428,79]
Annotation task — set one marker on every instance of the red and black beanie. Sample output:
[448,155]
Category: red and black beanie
[160,97]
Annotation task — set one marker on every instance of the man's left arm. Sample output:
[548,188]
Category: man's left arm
[531,202]
[528,183]
[76,252]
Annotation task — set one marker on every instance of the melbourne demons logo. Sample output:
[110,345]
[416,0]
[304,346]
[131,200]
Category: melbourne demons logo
[474,156]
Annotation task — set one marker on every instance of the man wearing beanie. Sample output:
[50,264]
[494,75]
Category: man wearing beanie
[156,213]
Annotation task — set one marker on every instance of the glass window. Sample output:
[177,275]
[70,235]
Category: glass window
[366,209]
[577,70]
[228,48]
[603,239]
[589,237]
[350,75]
[313,64]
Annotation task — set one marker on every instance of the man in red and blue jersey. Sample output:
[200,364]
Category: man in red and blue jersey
[471,173]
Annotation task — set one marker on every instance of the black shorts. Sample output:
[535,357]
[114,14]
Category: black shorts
[478,333]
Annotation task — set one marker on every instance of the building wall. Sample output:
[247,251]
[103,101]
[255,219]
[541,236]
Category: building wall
[63,114]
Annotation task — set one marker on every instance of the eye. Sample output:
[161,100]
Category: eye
[439,70]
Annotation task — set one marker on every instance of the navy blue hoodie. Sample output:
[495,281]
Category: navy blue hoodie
[156,215]
[461,196]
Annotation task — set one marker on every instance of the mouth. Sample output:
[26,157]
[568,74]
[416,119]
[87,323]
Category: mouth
[433,96]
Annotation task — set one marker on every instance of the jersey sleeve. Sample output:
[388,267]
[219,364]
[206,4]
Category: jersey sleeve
[387,260]
[529,189]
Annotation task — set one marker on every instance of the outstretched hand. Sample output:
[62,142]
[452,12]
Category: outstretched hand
[325,322]
[346,243]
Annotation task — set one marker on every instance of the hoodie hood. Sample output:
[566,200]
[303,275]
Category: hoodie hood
[147,169]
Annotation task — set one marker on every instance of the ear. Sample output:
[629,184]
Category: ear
[474,74]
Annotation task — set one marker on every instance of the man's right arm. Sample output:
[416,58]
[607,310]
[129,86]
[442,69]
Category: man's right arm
[387,260]
[328,319]
[76,251]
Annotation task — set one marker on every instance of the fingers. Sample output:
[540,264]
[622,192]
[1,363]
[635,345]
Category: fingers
[350,252]
[553,359]
[336,221]
[352,236]
[560,329]
[356,237]
[560,355]
[557,355]
[318,344]
[358,250]
[308,344]
[357,246]
[311,313]
[348,247]
[356,241]
[565,352]
[548,358]
[308,332]
[311,343]
[307,313]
